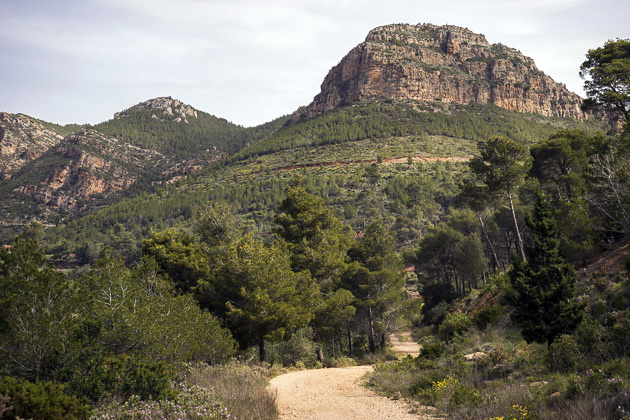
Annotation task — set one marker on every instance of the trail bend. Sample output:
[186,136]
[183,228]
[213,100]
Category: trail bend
[338,393]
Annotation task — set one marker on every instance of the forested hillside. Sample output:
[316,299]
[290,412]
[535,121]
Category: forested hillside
[353,174]
[66,177]
[499,238]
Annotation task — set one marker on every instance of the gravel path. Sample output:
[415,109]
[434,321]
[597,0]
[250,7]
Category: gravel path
[403,344]
[336,394]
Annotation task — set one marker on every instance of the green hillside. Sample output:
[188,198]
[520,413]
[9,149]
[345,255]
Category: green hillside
[133,149]
[201,134]
[342,168]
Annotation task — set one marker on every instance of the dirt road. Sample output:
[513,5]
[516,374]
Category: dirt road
[335,394]
[403,344]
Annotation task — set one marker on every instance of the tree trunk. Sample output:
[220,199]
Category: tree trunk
[349,339]
[371,331]
[261,348]
[517,232]
[383,341]
[320,354]
[495,260]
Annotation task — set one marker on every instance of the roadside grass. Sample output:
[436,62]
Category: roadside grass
[240,387]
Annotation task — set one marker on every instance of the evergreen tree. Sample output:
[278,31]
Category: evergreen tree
[607,78]
[318,241]
[264,299]
[377,281]
[501,168]
[542,289]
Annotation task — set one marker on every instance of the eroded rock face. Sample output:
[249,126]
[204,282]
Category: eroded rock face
[441,63]
[166,108]
[22,139]
[87,164]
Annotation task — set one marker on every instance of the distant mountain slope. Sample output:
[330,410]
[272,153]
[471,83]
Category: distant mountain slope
[178,130]
[423,155]
[382,119]
[24,138]
[441,63]
[82,166]
[155,142]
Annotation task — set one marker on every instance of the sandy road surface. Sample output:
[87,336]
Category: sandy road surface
[335,394]
[403,344]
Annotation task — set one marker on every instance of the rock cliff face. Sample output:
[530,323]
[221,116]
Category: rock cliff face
[82,166]
[441,63]
[22,139]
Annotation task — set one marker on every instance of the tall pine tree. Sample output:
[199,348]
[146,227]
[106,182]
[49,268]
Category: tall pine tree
[543,288]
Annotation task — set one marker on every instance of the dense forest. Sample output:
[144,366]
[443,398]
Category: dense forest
[511,265]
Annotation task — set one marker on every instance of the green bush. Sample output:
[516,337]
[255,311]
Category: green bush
[122,376]
[454,324]
[564,354]
[431,347]
[40,400]
[340,361]
[299,349]
[487,315]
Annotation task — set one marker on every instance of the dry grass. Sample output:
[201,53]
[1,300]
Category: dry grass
[241,388]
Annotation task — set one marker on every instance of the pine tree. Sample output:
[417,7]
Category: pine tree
[543,288]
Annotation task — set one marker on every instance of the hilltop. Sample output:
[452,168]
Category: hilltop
[447,64]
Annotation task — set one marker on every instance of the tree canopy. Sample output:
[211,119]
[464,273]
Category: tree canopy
[606,74]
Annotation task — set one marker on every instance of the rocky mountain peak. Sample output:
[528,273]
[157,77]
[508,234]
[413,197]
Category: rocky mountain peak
[166,109]
[430,63]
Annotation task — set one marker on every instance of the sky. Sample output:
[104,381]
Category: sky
[250,61]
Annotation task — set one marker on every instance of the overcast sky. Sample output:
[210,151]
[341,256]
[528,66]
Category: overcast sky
[249,61]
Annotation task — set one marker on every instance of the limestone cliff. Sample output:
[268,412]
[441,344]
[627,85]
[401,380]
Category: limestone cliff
[83,166]
[441,63]
[22,139]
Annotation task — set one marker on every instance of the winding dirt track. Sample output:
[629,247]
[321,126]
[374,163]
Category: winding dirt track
[336,394]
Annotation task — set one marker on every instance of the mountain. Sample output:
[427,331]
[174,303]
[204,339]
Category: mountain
[52,178]
[169,126]
[419,144]
[24,138]
[447,64]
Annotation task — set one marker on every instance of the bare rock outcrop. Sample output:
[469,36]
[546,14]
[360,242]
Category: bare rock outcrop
[441,63]
[22,139]
[85,165]
[166,109]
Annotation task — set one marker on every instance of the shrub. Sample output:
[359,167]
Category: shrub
[5,406]
[192,402]
[487,315]
[431,347]
[40,400]
[299,349]
[122,376]
[455,323]
[340,361]
[564,354]
[449,394]
[241,388]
